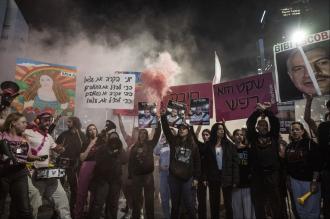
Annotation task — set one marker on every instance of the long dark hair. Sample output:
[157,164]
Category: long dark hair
[87,133]
[76,122]
[213,137]
[304,136]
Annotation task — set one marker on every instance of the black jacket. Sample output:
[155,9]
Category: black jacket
[141,158]
[109,160]
[264,154]
[302,159]
[184,156]
[72,142]
[229,174]
[202,146]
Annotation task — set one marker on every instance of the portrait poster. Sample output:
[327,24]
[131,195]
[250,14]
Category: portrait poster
[292,78]
[199,112]
[45,86]
[175,113]
[286,115]
[186,93]
[147,115]
[237,99]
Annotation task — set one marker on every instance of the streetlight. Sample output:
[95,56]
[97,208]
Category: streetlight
[298,36]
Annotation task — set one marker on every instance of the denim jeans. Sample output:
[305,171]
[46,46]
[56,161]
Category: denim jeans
[181,190]
[165,193]
[311,207]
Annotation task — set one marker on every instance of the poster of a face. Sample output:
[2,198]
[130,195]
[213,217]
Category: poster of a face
[175,113]
[46,86]
[286,115]
[292,75]
[200,112]
[147,115]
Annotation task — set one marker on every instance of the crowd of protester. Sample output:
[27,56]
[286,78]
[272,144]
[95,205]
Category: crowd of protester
[83,174]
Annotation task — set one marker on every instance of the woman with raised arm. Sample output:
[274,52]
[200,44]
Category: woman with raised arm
[127,189]
[202,184]
[184,169]
[140,171]
[265,161]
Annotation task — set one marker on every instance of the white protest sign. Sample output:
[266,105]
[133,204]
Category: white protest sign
[113,91]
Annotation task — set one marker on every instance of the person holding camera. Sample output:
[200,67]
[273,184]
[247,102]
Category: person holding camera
[45,178]
[14,154]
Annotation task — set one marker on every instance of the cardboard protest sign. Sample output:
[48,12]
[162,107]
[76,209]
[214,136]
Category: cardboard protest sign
[139,95]
[200,112]
[46,86]
[286,115]
[147,115]
[292,61]
[113,91]
[175,113]
[237,99]
[186,93]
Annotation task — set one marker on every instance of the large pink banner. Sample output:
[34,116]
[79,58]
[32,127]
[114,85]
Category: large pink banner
[237,99]
[186,93]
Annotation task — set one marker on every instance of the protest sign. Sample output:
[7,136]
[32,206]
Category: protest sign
[175,113]
[200,112]
[147,115]
[186,93]
[237,99]
[286,115]
[292,61]
[113,91]
[139,95]
[46,86]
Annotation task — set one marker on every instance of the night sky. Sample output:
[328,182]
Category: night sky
[231,28]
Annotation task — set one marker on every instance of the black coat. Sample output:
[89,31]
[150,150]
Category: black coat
[229,174]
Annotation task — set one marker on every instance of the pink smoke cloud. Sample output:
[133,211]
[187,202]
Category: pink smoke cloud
[157,76]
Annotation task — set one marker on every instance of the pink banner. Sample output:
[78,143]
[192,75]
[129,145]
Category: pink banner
[237,99]
[186,93]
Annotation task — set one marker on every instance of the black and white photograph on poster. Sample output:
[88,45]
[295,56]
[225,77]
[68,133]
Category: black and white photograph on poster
[175,113]
[303,67]
[147,115]
[199,112]
[286,115]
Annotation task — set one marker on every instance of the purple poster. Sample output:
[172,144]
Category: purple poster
[237,99]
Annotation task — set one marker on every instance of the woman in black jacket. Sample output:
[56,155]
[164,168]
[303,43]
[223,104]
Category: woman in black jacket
[222,170]
[184,169]
[202,186]
[106,182]
[303,162]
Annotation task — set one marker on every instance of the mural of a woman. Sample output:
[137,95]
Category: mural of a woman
[46,92]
